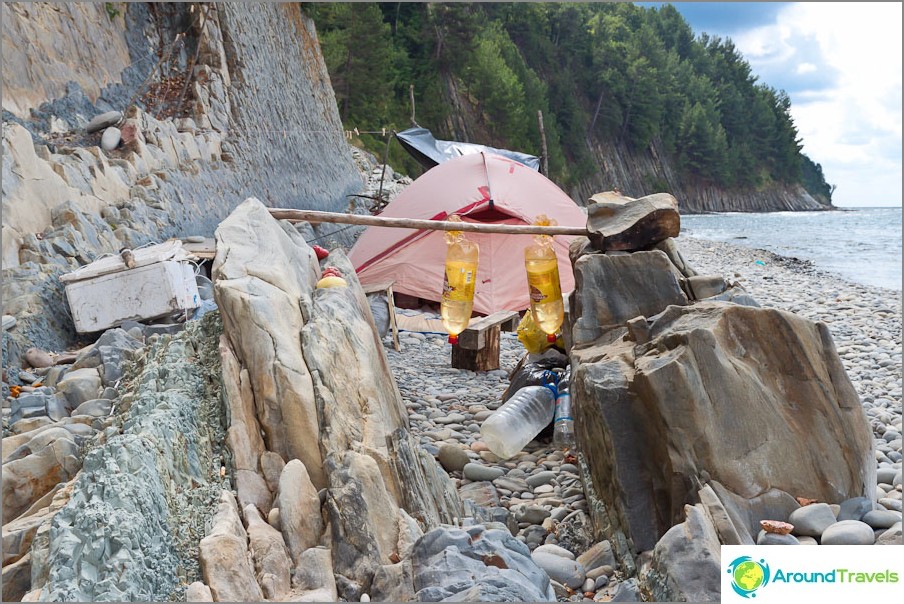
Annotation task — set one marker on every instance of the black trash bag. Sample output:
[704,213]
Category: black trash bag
[532,371]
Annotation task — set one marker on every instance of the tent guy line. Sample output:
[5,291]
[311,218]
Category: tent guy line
[427,225]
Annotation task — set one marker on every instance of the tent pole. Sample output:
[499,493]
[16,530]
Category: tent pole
[424,225]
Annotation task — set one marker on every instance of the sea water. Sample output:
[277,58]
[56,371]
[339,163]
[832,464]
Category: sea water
[862,244]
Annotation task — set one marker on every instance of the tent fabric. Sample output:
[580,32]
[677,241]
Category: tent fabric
[415,260]
[429,152]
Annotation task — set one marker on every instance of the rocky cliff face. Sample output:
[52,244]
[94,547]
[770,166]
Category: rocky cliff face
[643,173]
[238,104]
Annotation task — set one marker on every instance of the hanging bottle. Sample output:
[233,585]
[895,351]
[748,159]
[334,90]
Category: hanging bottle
[542,266]
[458,282]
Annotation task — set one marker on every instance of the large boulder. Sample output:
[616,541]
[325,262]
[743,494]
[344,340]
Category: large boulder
[631,224]
[315,572]
[753,398]
[263,276]
[307,368]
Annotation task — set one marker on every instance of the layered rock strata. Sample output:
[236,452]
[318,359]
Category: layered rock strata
[128,526]
[250,122]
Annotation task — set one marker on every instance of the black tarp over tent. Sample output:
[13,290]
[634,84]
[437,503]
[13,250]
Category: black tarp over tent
[429,152]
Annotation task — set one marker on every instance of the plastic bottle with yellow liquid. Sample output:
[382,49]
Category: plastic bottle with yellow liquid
[543,282]
[458,283]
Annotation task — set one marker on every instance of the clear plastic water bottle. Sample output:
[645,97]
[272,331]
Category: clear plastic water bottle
[563,424]
[519,420]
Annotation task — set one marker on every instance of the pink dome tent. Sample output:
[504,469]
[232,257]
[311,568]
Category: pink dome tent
[480,188]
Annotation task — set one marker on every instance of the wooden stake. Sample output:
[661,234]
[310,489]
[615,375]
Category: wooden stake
[380,200]
[545,158]
[423,225]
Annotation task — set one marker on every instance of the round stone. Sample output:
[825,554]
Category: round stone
[452,457]
[555,550]
[565,571]
[532,514]
[881,519]
[110,139]
[812,519]
[849,532]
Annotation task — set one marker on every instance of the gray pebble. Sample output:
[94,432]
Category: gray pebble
[848,532]
[881,518]
[478,472]
[540,478]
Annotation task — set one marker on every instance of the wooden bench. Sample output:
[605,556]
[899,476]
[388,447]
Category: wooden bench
[478,345]
[386,287]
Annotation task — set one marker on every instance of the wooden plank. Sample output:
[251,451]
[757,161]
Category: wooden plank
[372,288]
[424,225]
[474,337]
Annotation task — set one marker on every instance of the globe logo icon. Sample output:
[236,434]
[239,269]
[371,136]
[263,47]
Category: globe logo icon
[748,575]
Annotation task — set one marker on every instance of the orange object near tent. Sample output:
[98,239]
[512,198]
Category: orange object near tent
[482,188]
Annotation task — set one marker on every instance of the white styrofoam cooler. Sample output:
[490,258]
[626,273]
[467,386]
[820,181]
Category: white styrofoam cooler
[138,294]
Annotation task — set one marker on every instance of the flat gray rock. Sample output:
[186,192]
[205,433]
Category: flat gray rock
[540,478]
[96,408]
[812,519]
[765,538]
[478,472]
[885,475]
[532,514]
[104,120]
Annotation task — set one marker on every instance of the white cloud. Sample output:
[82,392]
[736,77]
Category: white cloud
[852,126]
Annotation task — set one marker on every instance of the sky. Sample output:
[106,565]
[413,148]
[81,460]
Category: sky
[841,65]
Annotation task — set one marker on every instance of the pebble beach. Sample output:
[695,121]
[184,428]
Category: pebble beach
[542,489]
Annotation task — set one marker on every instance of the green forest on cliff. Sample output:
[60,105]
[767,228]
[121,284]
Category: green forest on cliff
[615,72]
